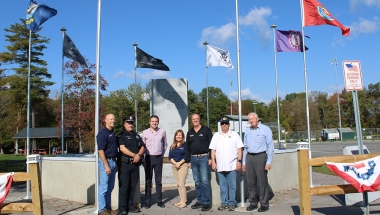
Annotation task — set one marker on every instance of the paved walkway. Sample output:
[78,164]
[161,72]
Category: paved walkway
[285,202]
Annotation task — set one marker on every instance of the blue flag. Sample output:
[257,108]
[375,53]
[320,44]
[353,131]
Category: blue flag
[37,14]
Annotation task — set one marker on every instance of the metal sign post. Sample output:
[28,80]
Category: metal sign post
[353,82]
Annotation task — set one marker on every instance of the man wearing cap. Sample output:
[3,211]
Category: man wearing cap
[198,156]
[226,157]
[131,149]
[257,158]
[107,150]
[156,143]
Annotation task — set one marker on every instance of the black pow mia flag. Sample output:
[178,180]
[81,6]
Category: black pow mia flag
[144,60]
[71,51]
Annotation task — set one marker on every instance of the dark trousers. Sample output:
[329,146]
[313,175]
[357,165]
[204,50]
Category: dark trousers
[153,164]
[257,177]
[128,177]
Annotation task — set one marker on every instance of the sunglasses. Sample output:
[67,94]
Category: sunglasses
[224,123]
[129,122]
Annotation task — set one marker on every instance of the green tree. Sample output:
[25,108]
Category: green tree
[218,106]
[16,80]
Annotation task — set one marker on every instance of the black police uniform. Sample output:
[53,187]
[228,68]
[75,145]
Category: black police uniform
[128,171]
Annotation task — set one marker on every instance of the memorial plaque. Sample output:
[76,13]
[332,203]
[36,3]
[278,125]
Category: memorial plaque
[168,100]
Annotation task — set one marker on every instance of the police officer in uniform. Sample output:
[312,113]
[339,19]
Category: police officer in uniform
[131,149]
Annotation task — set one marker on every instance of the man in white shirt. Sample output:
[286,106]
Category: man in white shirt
[226,157]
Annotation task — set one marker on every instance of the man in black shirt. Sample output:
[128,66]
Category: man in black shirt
[131,149]
[107,150]
[198,156]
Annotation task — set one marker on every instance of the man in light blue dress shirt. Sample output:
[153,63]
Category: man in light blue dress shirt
[257,158]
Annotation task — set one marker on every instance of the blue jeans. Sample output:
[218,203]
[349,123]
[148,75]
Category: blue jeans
[227,184]
[201,176]
[106,185]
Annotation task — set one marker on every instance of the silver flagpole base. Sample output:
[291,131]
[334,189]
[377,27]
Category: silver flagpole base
[26,197]
[94,211]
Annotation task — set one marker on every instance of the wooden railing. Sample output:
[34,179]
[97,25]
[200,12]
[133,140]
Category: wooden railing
[36,206]
[304,177]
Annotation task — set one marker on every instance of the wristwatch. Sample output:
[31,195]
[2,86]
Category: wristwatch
[239,161]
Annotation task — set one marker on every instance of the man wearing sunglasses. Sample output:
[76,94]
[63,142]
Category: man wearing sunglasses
[226,157]
[131,149]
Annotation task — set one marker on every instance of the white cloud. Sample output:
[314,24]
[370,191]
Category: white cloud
[247,94]
[355,3]
[155,74]
[256,19]
[365,26]
[218,36]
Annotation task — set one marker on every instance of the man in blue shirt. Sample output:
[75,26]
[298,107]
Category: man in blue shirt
[257,158]
[108,151]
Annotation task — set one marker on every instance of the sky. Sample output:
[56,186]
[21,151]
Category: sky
[174,31]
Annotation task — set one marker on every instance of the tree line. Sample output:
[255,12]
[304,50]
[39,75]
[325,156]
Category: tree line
[79,99]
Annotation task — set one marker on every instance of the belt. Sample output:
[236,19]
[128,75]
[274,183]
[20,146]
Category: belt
[200,155]
[256,153]
[155,156]
[113,159]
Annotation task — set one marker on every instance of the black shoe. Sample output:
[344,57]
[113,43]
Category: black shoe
[231,207]
[122,213]
[206,207]
[134,210]
[197,205]
[160,204]
[251,207]
[147,205]
[271,195]
[222,207]
[263,209]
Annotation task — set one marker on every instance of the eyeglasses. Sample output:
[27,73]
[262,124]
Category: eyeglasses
[224,123]
[129,122]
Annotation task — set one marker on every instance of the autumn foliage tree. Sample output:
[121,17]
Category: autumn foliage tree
[79,103]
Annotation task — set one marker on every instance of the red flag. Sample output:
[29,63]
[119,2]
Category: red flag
[314,13]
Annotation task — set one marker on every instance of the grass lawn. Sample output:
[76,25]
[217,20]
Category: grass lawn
[322,169]
[19,167]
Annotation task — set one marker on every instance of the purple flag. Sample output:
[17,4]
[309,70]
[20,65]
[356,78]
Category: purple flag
[289,41]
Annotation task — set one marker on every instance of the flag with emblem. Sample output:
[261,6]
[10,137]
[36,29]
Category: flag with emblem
[314,13]
[363,175]
[218,57]
[5,185]
[37,14]
[289,41]
[144,60]
[71,51]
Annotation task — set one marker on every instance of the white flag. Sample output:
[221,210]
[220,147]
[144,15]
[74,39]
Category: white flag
[218,57]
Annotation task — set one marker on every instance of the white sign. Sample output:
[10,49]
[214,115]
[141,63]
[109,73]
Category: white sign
[352,75]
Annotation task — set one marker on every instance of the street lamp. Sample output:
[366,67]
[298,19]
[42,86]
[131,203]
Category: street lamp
[334,62]
[254,104]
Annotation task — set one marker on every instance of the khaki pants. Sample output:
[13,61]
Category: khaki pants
[180,177]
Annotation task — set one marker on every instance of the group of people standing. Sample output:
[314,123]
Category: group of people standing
[224,152]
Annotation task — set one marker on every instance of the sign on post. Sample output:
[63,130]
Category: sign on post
[352,75]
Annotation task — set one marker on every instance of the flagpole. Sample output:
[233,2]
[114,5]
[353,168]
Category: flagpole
[208,122]
[97,103]
[273,26]
[306,89]
[63,29]
[136,104]
[334,62]
[28,119]
[242,191]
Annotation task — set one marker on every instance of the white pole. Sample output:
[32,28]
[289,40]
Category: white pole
[273,26]
[63,29]
[97,103]
[306,90]
[231,96]
[242,198]
[335,62]
[136,102]
[208,120]
[28,119]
